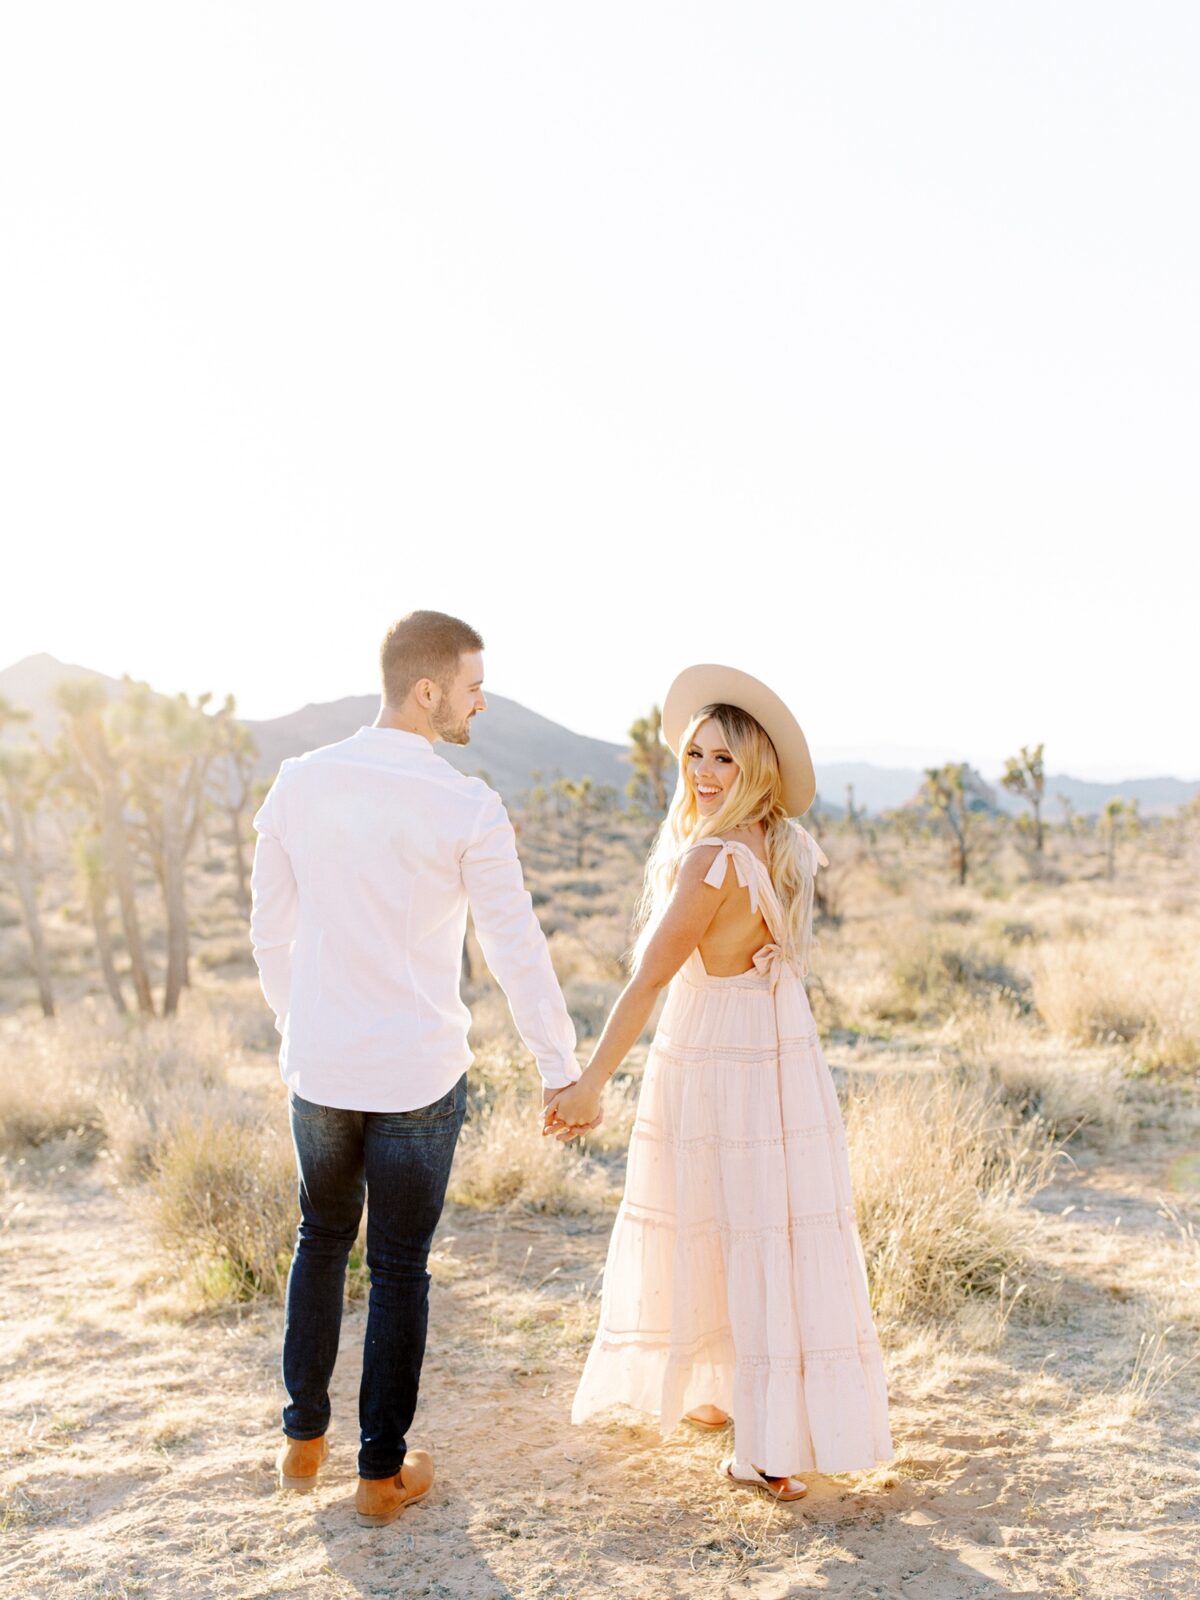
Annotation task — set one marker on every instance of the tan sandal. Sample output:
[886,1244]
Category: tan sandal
[703,1422]
[751,1478]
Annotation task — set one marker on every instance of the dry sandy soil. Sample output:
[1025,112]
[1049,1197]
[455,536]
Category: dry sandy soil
[138,1434]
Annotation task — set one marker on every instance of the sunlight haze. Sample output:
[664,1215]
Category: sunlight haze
[854,346]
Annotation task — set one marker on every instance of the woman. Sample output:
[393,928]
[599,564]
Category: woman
[735,1285]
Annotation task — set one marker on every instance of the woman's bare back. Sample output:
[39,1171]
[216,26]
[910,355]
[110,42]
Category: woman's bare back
[737,931]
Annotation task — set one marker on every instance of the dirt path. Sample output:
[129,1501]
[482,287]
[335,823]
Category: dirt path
[138,1436]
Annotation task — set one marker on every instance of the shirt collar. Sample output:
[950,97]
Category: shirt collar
[394,739]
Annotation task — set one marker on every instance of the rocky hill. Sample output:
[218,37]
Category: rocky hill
[510,742]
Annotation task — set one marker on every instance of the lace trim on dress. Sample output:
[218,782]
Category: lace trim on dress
[841,1352]
[651,1218]
[717,1141]
[865,1350]
[663,1046]
[658,1338]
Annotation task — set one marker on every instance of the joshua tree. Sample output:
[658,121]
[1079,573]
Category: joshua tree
[23,776]
[651,761]
[172,744]
[93,769]
[142,766]
[90,867]
[582,800]
[853,815]
[1025,775]
[535,798]
[945,793]
[1118,817]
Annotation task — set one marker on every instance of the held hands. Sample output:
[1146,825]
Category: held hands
[571,1111]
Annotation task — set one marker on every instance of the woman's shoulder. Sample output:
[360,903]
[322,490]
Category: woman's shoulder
[710,841]
[699,859]
[700,862]
[699,855]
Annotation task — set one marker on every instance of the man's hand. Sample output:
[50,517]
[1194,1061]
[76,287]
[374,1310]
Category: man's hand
[563,1131]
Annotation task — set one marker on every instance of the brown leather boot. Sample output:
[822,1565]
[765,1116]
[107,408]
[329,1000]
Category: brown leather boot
[381,1500]
[299,1461]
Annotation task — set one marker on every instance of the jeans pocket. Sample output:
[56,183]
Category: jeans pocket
[453,1103]
[304,1110]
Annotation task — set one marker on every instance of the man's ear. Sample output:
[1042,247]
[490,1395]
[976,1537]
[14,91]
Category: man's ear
[424,691]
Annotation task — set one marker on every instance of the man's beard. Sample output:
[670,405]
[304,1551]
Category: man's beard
[448,730]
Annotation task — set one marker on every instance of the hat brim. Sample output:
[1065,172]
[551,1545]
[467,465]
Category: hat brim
[709,685]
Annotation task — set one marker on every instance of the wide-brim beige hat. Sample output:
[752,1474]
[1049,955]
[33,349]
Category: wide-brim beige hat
[709,685]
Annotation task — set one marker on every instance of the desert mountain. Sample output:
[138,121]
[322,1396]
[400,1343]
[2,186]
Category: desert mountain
[510,742]
[885,788]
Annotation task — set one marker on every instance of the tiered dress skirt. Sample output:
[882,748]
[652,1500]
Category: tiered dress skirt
[735,1274]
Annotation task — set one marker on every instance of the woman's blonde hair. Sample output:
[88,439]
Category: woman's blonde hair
[756,795]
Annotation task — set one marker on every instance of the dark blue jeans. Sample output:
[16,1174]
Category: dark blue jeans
[400,1162]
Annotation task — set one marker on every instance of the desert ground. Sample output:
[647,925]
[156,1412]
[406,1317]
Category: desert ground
[1017,1060]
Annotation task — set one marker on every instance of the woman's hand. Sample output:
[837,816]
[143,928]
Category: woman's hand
[574,1108]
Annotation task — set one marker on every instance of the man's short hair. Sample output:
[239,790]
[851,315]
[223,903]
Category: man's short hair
[424,644]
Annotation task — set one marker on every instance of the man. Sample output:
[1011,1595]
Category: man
[368,854]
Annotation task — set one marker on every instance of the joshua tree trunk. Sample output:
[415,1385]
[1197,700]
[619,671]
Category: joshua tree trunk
[957,826]
[98,906]
[116,850]
[22,866]
[93,879]
[99,774]
[175,899]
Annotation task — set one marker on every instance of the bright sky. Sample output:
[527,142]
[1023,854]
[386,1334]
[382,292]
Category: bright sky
[855,345]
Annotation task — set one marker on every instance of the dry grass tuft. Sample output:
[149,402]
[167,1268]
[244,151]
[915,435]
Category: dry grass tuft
[1155,1367]
[504,1161]
[110,1080]
[940,1171]
[1087,1099]
[42,1099]
[1073,1094]
[937,970]
[224,1198]
[222,1187]
[1139,992]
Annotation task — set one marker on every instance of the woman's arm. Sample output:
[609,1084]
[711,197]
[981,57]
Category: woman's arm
[688,917]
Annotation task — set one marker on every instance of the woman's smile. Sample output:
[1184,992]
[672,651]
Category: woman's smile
[708,762]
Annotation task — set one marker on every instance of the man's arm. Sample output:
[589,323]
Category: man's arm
[274,906]
[514,946]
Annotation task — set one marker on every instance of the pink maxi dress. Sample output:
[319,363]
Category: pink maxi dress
[735,1274]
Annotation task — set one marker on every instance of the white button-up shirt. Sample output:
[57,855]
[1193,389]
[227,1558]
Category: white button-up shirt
[368,853]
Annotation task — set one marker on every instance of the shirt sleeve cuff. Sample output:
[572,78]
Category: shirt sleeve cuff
[559,1073]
